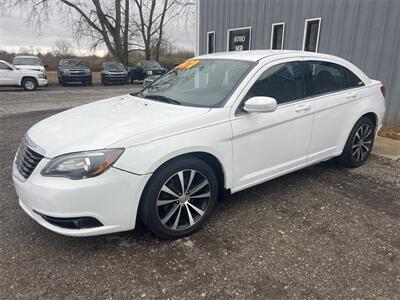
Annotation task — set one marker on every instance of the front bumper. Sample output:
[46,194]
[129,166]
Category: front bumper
[43,82]
[111,198]
[116,79]
[76,78]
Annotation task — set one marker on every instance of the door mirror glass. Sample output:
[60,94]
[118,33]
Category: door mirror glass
[260,104]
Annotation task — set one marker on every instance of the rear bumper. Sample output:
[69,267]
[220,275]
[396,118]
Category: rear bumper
[111,198]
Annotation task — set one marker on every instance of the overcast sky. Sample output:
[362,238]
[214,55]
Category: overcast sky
[16,33]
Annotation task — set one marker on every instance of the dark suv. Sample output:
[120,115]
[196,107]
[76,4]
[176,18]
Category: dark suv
[145,68]
[113,72]
[73,70]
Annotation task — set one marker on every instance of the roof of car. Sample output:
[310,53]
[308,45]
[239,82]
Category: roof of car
[256,55]
[26,56]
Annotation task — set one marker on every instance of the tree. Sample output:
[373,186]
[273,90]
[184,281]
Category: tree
[104,22]
[63,48]
[116,24]
[153,16]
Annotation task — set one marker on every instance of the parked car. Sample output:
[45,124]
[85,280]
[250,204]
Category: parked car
[27,79]
[145,68]
[216,123]
[150,79]
[113,72]
[73,70]
[29,62]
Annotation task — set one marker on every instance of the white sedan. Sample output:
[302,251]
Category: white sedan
[216,123]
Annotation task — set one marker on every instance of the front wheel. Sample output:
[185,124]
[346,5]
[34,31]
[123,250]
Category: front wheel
[179,198]
[29,84]
[359,144]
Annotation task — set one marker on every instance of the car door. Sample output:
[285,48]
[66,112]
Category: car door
[335,91]
[266,145]
[8,75]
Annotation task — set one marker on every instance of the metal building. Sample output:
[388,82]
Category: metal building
[365,32]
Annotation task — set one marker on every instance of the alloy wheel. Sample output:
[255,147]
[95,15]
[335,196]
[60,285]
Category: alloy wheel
[183,199]
[362,143]
[29,85]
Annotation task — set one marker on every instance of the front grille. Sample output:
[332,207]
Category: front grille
[26,159]
[77,72]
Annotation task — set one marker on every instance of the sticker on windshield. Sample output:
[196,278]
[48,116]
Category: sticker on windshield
[187,64]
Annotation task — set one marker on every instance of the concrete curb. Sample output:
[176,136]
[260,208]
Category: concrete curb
[387,148]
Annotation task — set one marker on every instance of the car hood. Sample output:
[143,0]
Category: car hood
[30,67]
[100,124]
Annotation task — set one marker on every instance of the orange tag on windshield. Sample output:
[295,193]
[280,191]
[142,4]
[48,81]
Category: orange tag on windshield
[187,65]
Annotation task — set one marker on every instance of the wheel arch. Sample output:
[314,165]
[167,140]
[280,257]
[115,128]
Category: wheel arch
[207,157]
[373,116]
[28,77]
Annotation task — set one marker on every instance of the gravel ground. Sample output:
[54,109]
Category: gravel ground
[323,232]
[16,100]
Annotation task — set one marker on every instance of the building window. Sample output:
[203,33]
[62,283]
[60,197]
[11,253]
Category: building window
[277,35]
[211,42]
[311,34]
[239,39]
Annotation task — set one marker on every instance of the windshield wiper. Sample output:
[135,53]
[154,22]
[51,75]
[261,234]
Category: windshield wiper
[162,98]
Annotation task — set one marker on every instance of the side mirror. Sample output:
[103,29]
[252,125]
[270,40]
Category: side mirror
[46,66]
[260,104]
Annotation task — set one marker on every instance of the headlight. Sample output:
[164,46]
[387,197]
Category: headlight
[41,75]
[87,71]
[65,72]
[149,72]
[81,165]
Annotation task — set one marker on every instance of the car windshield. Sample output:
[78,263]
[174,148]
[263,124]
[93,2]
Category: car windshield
[27,61]
[114,67]
[73,63]
[150,64]
[201,83]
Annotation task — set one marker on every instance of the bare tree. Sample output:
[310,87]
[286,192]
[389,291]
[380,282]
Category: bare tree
[153,16]
[105,22]
[122,25]
[63,48]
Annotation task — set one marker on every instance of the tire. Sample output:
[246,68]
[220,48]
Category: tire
[170,215]
[359,144]
[29,84]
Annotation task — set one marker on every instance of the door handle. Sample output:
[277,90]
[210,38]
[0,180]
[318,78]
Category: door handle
[351,95]
[303,107]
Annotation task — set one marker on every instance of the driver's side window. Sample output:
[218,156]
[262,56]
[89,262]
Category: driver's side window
[3,66]
[284,82]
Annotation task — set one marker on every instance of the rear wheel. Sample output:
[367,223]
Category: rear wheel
[359,144]
[179,198]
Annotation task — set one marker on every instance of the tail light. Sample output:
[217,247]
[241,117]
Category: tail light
[383,90]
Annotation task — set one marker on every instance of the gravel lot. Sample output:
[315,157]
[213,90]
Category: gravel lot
[323,232]
[16,100]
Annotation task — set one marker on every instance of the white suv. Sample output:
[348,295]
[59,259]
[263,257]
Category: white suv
[28,79]
[29,62]
[224,121]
